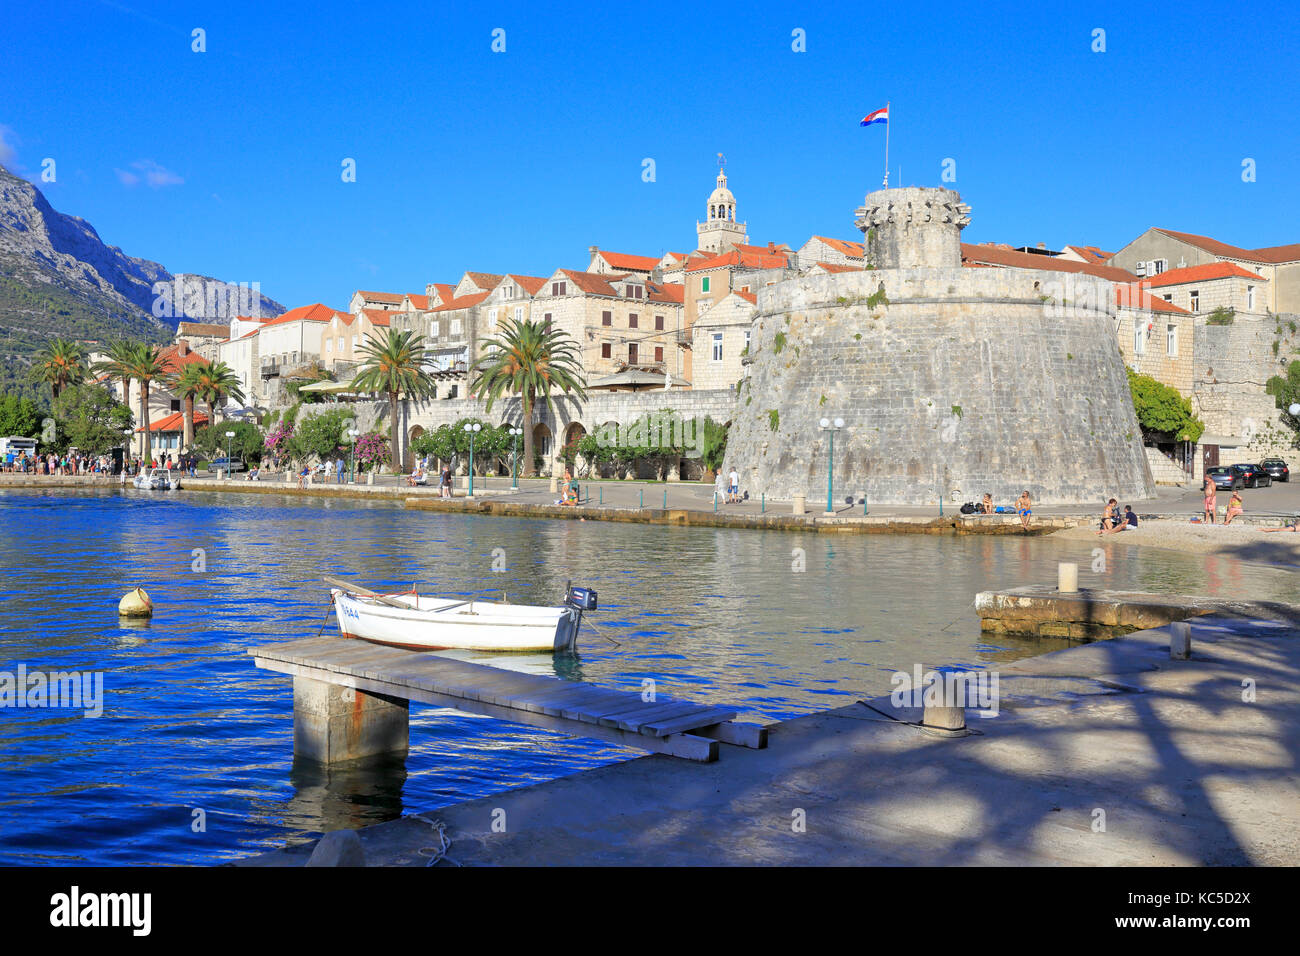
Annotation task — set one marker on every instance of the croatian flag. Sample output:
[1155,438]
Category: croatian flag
[879,116]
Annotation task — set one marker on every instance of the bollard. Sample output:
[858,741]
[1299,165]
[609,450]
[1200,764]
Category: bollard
[1067,577]
[715,502]
[762,508]
[665,499]
[555,484]
[800,504]
[642,499]
[602,495]
[948,716]
[1180,640]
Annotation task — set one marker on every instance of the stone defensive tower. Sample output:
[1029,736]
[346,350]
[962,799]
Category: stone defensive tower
[913,227]
[951,381]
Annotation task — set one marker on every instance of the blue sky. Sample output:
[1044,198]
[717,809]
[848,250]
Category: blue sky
[228,162]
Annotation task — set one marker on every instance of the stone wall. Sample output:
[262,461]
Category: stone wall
[964,381]
[1233,363]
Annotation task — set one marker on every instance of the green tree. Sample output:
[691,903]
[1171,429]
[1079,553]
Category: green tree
[147,366]
[219,384]
[90,419]
[59,364]
[1161,410]
[247,442]
[1286,392]
[117,364]
[393,365]
[189,386]
[322,436]
[713,443]
[531,360]
[20,417]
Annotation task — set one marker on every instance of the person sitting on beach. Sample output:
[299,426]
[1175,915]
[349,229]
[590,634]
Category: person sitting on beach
[986,506]
[253,473]
[1023,505]
[1235,507]
[1109,518]
[1211,490]
[303,476]
[418,476]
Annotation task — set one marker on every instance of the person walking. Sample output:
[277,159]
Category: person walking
[733,487]
[444,483]
[339,467]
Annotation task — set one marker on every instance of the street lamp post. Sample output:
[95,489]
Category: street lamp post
[514,457]
[352,456]
[229,435]
[473,430]
[831,429]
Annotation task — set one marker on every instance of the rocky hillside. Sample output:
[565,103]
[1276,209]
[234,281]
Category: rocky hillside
[58,278]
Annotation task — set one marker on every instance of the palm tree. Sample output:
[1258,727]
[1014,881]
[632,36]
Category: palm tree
[394,365]
[59,364]
[219,384]
[189,385]
[146,366]
[528,359]
[116,363]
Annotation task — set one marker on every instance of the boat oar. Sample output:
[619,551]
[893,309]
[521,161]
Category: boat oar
[358,589]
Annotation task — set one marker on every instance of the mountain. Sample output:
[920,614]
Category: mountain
[59,279]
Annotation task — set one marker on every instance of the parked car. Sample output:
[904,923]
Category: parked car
[1226,478]
[221,464]
[1254,475]
[1276,468]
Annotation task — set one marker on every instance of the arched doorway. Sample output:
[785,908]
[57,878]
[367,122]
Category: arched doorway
[411,454]
[543,448]
[573,459]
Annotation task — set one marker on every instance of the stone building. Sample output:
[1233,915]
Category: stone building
[202,337]
[720,341]
[836,252]
[1159,250]
[720,229]
[604,262]
[1212,286]
[385,301]
[951,381]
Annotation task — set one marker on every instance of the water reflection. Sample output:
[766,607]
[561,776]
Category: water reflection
[716,615]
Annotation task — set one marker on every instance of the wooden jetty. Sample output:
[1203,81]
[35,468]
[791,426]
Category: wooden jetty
[351,699]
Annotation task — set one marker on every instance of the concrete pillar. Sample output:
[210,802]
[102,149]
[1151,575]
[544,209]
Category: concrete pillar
[1067,577]
[1180,640]
[947,714]
[333,723]
[370,477]
[800,504]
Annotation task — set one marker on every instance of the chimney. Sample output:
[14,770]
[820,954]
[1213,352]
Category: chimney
[771,246]
[182,348]
[591,254]
[1042,245]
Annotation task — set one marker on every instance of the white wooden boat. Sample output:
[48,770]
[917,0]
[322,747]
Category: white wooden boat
[430,623]
[157,479]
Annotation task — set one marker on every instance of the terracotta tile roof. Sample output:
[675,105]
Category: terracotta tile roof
[1000,255]
[667,292]
[833,267]
[393,297]
[1275,255]
[621,260]
[593,283]
[1091,254]
[378,317]
[445,290]
[316,312]
[530,284]
[1134,296]
[739,257]
[854,250]
[202,328]
[1269,254]
[485,281]
[174,422]
[172,360]
[421,302]
[748,297]
[1202,273]
[464,302]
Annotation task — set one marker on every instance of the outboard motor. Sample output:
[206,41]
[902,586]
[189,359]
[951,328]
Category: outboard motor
[584,599]
[576,600]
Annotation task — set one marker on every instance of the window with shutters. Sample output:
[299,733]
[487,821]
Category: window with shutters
[659,353]
[1196,300]
[704,284]
[559,288]
[607,318]
[631,320]
[717,346]
[659,323]
[631,354]
[605,350]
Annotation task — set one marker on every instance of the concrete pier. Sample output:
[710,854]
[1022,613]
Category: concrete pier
[1103,754]
[332,723]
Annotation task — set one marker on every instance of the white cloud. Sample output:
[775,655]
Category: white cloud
[155,176]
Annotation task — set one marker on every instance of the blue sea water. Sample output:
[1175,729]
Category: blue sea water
[779,624]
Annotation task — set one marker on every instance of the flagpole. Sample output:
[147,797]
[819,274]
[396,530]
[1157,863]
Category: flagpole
[886,143]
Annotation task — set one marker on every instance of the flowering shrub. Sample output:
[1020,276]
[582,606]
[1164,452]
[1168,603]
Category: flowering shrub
[372,450]
[278,439]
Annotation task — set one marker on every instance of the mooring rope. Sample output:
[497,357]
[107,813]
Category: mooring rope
[436,854]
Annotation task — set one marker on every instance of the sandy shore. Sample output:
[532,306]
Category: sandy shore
[1247,542]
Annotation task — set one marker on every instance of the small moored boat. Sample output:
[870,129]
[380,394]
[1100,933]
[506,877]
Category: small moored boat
[428,623]
[157,479]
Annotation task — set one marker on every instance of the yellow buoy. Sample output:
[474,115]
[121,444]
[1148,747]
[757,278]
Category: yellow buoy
[135,604]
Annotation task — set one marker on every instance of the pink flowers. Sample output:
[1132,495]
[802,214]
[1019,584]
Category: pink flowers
[372,449]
